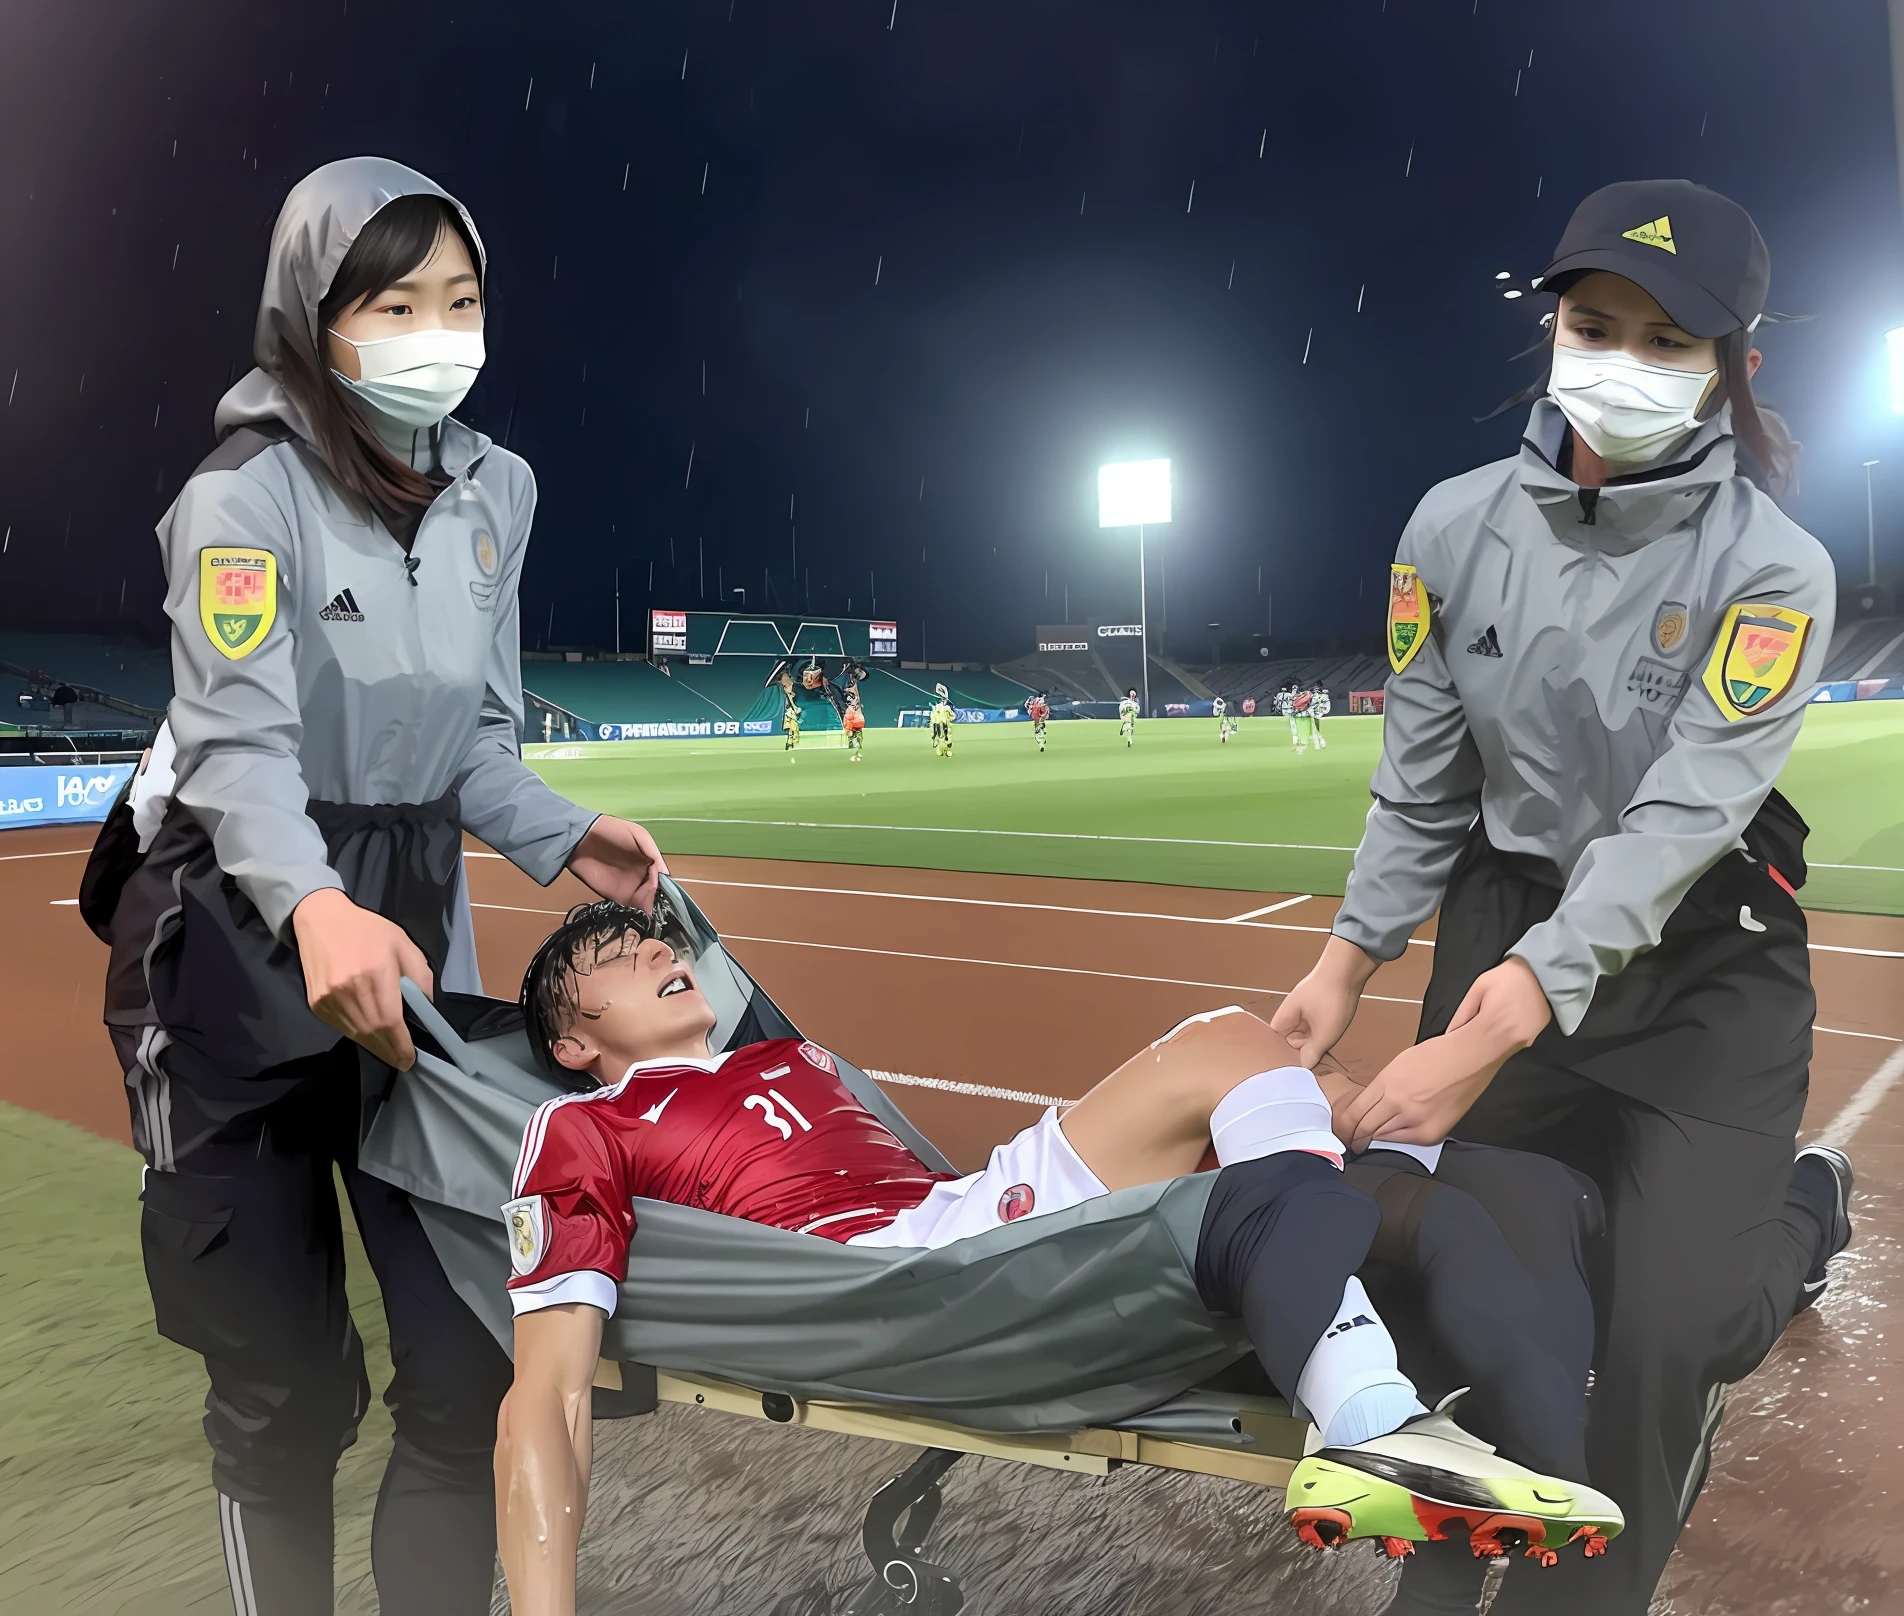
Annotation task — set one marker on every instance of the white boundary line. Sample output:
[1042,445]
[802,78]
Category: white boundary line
[1859,1107]
[967,830]
[1057,970]
[1270,909]
[1109,914]
[1071,970]
[983,1091]
[58,852]
[1008,903]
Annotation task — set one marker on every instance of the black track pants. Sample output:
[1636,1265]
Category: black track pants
[1480,1271]
[244,1254]
[1679,1095]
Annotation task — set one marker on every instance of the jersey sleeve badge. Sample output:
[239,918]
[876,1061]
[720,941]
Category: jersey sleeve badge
[1408,615]
[237,598]
[1755,658]
[528,1233]
[814,1055]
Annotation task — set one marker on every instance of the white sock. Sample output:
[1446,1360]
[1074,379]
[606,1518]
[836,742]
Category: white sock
[1428,1155]
[1352,1386]
[1271,1112]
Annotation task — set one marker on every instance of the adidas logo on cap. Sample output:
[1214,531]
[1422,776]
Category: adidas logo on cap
[342,609]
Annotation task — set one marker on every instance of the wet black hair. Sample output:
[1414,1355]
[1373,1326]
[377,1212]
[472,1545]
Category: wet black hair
[398,238]
[591,934]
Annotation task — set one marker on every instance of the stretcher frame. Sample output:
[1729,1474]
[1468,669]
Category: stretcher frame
[1261,1445]
[900,1515]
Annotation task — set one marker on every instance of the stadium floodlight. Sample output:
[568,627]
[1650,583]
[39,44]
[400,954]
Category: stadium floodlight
[1894,346]
[1133,493]
[1136,493]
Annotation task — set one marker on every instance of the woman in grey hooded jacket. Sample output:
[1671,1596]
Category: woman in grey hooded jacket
[1601,652]
[341,580]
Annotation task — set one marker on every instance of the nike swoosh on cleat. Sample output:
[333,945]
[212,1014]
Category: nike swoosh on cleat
[1810,1286]
[1546,1500]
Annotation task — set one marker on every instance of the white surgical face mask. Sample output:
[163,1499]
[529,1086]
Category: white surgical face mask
[419,377]
[1625,410]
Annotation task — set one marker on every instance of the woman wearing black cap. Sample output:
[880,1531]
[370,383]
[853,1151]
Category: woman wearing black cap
[1601,651]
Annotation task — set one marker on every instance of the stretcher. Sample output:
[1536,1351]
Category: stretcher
[1074,1341]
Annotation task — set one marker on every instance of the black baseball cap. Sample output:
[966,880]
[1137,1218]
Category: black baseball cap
[1698,253]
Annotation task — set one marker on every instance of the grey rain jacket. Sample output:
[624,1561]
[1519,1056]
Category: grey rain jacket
[1560,696]
[379,679]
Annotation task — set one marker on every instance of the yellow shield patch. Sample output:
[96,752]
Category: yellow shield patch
[237,598]
[1408,615]
[1755,658]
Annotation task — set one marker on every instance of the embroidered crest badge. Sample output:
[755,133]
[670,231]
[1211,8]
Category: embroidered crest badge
[237,598]
[527,1231]
[1755,658]
[1669,627]
[1408,615]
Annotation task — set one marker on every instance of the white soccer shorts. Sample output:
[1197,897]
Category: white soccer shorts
[1035,1171]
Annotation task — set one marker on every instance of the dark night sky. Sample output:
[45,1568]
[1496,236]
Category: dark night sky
[965,243]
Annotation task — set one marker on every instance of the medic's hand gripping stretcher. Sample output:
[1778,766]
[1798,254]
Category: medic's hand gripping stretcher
[1075,1340]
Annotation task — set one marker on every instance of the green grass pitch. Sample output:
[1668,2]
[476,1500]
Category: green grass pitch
[1177,808]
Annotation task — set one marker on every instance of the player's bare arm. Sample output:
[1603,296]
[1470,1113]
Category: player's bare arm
[543,1448]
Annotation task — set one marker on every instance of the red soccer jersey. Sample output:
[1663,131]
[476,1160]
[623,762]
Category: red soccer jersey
[1037,709]
[855,719]
[768,1133]
[1303,701]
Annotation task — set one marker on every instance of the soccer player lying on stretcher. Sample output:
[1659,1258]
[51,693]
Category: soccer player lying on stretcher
[769,1132]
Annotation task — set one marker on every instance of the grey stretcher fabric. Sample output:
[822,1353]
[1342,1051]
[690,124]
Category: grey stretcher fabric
[1084,1317]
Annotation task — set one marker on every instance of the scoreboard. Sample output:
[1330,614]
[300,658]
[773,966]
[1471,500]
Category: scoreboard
[768,634]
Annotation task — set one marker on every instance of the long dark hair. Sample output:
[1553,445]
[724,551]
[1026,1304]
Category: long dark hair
[399,236]
[1770,456]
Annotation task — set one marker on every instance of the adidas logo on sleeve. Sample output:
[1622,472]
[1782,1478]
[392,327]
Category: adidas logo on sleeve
[342,609]
[1486,643]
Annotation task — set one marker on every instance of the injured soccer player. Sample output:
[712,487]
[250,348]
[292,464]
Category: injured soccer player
[770,1132]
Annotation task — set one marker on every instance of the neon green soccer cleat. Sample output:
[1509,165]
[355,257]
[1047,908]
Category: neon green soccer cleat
[1429,1480]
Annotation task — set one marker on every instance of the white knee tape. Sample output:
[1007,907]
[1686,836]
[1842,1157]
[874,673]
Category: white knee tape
[1271,1112]
[1198,1020]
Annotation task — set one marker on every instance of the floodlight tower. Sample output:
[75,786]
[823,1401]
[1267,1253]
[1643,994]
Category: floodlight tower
[1136,493]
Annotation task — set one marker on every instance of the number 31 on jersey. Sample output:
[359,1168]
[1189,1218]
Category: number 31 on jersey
[772,1117]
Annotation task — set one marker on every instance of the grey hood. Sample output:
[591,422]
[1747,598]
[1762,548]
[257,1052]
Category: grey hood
[316,226]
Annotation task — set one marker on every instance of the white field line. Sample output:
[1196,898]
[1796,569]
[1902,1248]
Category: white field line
[1887,869]
[1008,903]
[983,1091]
[1111,914]
[1057,970]
[1858,1108]
[64,903]
[1270,909]
[58,852]
[967,830]
[1070,970]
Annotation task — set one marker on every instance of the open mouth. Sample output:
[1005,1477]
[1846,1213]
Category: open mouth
[677,981]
